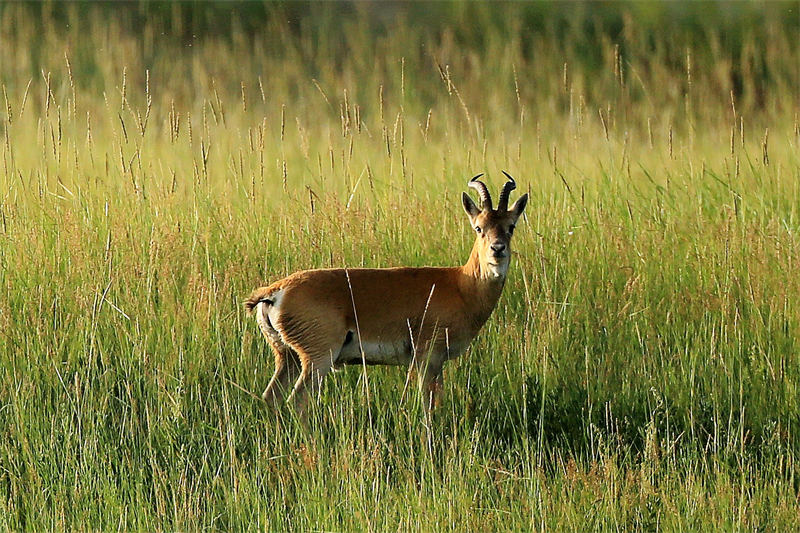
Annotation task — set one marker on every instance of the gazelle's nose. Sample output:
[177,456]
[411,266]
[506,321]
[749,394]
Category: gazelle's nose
[498,248]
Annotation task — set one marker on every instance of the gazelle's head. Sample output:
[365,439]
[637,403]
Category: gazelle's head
[493,227]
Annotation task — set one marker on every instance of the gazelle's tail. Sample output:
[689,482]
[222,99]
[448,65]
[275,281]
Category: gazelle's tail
[257,296]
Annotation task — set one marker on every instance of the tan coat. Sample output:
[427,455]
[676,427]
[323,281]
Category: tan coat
[316,320]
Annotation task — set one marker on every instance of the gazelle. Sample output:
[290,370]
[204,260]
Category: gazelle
[317,320]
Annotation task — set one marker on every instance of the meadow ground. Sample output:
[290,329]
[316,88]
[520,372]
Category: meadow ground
[641,371]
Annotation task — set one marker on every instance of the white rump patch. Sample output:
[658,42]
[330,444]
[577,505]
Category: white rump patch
[267,315]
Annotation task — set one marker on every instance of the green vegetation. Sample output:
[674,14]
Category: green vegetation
[157,162]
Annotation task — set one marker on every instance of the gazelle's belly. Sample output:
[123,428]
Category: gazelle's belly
[375,352]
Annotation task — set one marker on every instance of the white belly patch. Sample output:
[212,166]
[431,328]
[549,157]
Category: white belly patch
[375,352]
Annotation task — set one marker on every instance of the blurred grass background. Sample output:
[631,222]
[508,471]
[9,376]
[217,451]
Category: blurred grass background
[159,160]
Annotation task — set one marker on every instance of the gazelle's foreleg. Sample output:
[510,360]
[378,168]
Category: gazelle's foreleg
[431,381]
[428,363]
[430,387]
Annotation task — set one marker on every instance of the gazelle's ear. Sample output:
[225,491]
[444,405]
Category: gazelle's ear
[469,206]
[519,206]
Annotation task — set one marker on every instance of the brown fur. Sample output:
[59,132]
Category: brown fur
[255,297]
[408,316]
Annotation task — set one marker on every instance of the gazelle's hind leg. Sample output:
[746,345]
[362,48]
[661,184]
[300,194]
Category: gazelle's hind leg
[316,364]
[316,336]
[287,364]
[287,370]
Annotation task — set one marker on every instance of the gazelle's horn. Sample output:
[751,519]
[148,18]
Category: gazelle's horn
[510,185]
[486,198]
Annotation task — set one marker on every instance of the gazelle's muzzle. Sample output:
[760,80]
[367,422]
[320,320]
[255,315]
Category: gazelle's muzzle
[499,250]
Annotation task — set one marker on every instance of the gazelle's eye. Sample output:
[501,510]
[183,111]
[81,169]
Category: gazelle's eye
[478,229]
[511,229]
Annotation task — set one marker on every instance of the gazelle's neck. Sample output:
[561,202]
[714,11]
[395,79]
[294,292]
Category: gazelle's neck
[481,285]
[483,271]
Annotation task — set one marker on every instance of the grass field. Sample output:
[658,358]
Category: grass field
[641,371]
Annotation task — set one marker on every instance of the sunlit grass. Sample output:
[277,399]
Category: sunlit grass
[640,371]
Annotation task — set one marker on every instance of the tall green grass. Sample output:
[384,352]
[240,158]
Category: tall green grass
[640,372]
